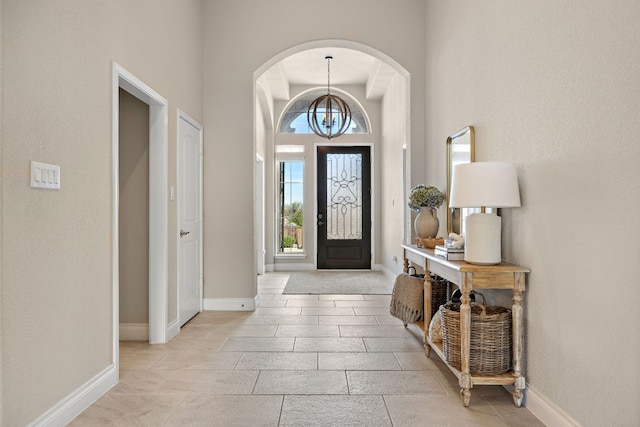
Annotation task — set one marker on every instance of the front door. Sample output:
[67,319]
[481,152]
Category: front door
[344,207]
[190,219]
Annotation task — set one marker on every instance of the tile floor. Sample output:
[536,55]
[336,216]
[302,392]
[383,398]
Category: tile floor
[298,360]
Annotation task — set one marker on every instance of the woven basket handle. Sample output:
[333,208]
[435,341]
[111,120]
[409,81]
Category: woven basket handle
[482,305]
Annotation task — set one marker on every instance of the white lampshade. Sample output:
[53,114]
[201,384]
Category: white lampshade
[488,184]
[480,185]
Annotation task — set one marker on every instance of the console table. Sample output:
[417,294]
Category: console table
[467,277]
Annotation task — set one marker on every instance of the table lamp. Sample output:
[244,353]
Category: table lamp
[484,185]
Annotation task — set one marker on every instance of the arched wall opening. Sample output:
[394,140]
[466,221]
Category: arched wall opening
[391,134]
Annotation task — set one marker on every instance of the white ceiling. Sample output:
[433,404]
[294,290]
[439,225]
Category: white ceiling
[348,67]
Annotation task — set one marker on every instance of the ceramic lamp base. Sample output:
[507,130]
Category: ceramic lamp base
[483,240]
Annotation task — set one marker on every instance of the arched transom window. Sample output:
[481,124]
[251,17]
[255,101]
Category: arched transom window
[294,119]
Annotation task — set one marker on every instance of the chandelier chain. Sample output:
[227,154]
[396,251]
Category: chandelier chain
[328,58]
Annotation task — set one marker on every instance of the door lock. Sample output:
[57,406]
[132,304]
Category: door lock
[184,233]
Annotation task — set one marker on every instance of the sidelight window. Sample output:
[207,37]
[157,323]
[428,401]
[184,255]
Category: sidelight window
[290,217]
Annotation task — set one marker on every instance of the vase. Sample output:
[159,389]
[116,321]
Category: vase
[426,223]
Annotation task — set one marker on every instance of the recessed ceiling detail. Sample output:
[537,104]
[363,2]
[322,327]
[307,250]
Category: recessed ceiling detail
[308,68]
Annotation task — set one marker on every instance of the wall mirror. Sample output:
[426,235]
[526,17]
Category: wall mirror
[460,149]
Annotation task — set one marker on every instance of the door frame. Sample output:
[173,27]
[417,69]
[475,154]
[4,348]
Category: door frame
[373,195]
[181,115]
[158,204]
[260,243]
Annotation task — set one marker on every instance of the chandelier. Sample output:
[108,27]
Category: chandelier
[337,115]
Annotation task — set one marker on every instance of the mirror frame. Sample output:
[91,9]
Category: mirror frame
[454,215]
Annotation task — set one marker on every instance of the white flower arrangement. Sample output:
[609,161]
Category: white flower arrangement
[425,196]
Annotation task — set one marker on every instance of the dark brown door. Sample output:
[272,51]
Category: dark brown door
[344,207]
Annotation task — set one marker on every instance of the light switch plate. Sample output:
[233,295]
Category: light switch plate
[44,175]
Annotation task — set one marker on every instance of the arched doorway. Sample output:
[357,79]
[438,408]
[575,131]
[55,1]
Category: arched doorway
[366,75]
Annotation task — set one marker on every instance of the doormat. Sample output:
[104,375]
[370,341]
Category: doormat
[339,282]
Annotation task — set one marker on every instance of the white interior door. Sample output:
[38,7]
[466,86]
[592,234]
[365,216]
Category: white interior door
[189,217]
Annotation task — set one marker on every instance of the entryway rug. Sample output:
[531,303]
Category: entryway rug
[339,282]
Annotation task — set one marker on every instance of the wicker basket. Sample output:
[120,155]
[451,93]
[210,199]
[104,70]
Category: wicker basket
[491,338]
[439,292]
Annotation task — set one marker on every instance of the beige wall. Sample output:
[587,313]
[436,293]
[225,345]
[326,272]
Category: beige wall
[260,31]
[553,87]
[1,223]
[134,209]
[56,267]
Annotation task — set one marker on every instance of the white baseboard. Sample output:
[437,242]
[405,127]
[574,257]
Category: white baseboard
[547,411]
[269,268]
[134,332]
[73,405]
[293,267]
[230,304]
[172,329]
[388,273]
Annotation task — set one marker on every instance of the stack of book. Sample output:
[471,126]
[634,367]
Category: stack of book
[451,254]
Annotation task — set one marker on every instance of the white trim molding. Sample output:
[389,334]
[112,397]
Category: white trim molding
[158,203]
[291,266]
[388,273]
[74,404]
[546,411]
[231,304]
[172,329]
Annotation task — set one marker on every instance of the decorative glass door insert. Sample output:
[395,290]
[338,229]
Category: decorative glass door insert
[344,196]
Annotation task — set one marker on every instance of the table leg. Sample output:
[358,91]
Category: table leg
[405,266]
[518,338]
[426,307]
[466,396]
[466,382]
